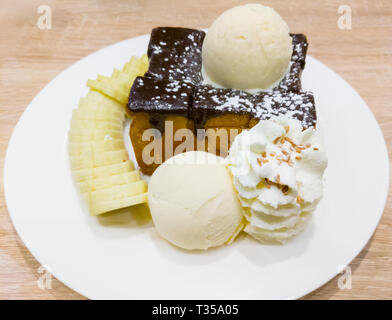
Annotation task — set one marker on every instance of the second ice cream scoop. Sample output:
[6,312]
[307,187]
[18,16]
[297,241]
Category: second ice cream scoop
[247,47]
[193,202]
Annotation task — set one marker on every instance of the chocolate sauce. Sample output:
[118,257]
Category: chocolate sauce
[175,54]
[209,102]
[173,84]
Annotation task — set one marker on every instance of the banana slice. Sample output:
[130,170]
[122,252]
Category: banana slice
[116,193]
[136,66]
[83,148]
[78,131]
[119,84]
[130,65]
[101,108]
[102,207]
[123,77]
[119,192]
[111,87]
[100,159]
[101,125]
[110,116]
[95,135]
[109,182]
[103,172]
[95,99]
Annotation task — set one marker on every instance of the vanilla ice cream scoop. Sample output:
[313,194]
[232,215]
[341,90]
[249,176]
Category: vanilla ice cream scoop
[193,202]
[247,47]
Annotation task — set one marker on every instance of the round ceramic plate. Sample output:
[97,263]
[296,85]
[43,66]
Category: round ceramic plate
[121,256]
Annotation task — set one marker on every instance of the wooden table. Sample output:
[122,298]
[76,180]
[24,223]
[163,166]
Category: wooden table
[31,57]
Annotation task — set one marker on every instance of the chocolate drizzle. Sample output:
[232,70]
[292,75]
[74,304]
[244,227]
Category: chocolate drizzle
[175,54]
[208,101]
[173,84]
[300,48]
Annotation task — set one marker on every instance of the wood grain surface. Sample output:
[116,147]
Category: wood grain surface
[31,57]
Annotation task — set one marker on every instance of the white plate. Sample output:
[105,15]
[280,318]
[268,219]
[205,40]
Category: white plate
[103,259]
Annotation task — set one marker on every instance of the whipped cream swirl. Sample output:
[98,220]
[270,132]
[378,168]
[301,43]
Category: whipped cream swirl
[277,170]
